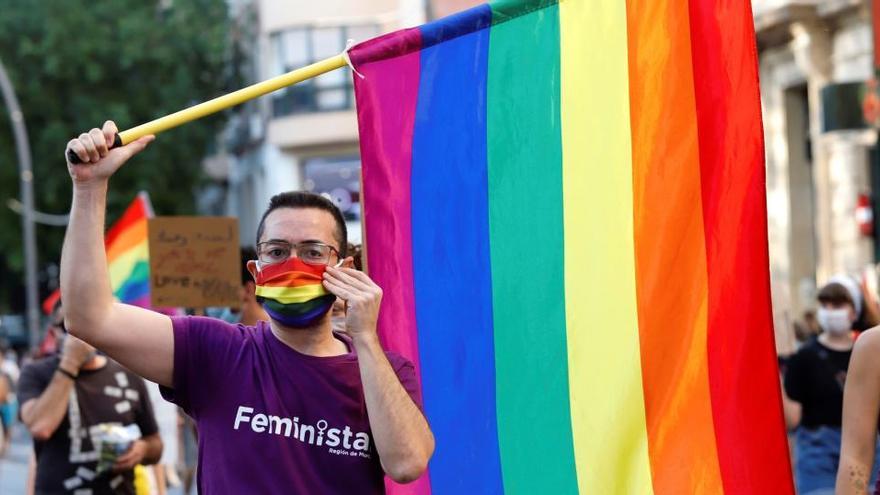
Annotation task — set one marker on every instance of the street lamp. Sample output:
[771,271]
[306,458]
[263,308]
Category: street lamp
[26,177]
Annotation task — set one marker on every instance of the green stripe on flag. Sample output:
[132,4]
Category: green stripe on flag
[527,250]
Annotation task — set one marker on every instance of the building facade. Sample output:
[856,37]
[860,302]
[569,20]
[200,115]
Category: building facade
[304,136]
[814,57]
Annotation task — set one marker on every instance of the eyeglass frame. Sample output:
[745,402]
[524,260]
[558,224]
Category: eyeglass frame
[293,246]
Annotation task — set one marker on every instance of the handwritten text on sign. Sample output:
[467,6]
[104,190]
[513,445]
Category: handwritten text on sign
[194,262]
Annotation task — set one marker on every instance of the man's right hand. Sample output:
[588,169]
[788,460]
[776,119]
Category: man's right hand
[75,353]
[97,161]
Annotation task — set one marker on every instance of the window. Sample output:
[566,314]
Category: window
[295,48]
[338,178]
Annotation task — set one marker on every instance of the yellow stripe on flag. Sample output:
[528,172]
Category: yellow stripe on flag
[607,408]
[122,266]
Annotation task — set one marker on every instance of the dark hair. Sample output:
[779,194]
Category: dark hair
[247,253]
[835,294]
[302,199]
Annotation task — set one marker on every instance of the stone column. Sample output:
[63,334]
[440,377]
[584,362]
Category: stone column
[811,45]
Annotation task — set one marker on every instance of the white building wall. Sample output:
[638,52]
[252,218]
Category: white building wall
[288,141]
[811,44]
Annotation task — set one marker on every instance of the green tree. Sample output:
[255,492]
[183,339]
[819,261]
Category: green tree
[76,63]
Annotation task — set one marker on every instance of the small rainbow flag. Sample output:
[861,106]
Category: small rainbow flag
[565,205]
[128,256]
[128,260]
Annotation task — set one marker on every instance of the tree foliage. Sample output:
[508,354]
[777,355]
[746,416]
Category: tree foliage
[77,63]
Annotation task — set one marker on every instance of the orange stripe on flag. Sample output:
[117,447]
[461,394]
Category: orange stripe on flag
[671,273]
[127,239]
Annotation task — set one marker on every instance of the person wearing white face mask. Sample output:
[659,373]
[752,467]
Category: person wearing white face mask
[814,384]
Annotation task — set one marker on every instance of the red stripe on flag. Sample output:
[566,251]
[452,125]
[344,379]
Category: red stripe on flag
[743,374]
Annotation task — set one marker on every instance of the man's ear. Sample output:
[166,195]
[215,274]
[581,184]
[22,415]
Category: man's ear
[252,268]
[348,262]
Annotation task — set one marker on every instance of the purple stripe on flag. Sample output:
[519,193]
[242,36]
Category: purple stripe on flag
[386,117]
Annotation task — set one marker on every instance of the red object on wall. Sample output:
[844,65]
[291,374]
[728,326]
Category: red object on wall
[865,215]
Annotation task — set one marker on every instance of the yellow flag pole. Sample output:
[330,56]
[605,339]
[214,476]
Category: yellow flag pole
[226,101]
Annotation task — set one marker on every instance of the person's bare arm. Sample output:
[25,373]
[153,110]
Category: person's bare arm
[5,388]
[861,405]
[139,339]
[43,414]
[401,432]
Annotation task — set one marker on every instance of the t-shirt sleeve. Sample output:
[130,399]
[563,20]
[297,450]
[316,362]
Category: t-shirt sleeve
[406,373]
[204,350]
[144,416]
[796,380]
[34,380]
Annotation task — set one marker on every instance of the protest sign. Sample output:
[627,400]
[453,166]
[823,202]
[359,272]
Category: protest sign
[194,262]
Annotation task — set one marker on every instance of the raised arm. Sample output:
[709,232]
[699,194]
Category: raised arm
[861,404]
[139,339]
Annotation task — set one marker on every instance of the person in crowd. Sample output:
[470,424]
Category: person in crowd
[5,433]
[865,303]
[287,406]
[806,328]
[69,402]
[813,391]
[9,373]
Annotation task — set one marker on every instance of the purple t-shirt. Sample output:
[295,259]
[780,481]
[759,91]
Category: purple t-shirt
[273,420]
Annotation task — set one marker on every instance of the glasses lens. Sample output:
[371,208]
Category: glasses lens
[274,252]
[313,254]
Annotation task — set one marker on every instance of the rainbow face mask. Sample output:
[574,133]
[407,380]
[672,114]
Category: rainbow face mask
[292,294]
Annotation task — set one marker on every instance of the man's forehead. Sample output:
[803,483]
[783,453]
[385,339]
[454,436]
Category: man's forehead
[299,224]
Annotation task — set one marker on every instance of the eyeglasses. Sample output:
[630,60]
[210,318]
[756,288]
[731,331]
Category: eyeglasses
[313,253]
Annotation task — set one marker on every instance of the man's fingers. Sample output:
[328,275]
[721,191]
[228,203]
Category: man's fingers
[78,148]
[87,142]
[110,132]
[363,277]
[337,289]
[125,461]
[345,278]
[357,275]
[100,142]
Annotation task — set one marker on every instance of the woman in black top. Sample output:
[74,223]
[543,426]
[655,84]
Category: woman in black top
[814,382]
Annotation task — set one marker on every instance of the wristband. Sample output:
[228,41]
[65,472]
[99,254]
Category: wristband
[66,373]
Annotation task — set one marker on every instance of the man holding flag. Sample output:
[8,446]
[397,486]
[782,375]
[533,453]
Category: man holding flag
[287,406]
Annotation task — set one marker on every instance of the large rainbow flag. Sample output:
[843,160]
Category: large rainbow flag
[565,204]
[127,247]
